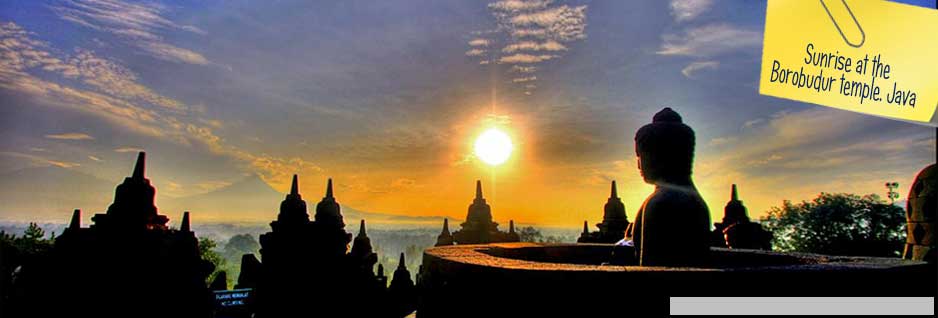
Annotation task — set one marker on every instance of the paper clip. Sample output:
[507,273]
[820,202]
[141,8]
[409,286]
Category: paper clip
[862,34]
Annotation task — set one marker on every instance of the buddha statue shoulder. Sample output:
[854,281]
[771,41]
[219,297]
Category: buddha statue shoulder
[672,228]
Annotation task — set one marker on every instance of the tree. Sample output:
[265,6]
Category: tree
[207,250]
[241,244]
[838,224]
[533,234]
[237,246]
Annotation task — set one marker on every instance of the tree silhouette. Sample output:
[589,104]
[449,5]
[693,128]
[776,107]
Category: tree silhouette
[533,234]
[207,251]
[838,224]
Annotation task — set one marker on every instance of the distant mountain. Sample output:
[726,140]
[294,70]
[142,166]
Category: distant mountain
[50,193]
[249,199]
[252,199]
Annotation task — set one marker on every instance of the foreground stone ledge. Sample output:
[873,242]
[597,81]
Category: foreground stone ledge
[527,278]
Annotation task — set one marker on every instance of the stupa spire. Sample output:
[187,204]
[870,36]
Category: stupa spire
[613,193]
[478,189]
[511,226]
[380,270]
[401,264]
[329,189]
[140,166]
[586,228]
[295,188]
[734,196]
[185,222]
[445,237]
[75,223]
[361,229]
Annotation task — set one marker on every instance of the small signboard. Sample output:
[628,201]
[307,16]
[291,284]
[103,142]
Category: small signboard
[233,303]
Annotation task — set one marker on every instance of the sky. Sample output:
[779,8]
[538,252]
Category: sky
[386,97]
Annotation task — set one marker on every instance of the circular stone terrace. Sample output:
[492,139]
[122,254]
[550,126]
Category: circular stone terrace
[526,278]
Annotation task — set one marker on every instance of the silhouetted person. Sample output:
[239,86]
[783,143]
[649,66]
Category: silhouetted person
[672,227]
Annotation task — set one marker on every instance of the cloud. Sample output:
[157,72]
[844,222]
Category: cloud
[475,52]
[549,45]
[93,158]
[563,23]
[23,53]
[709,40]
[129,149]
[685,10]
[518,5]
[523,69]
[112,94]
[70,136]
[524,32]
[479,42]
[751,123]
[524,58]
[694,67]
[137,23]
[526,28]
[172,53]
[524,79]
[40,161]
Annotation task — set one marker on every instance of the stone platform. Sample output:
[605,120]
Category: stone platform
[511,279]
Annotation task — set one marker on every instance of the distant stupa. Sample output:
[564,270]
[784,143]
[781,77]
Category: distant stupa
[614,224]
[126,262]
[479,227]
[736,230]
[445,238]
[306,268]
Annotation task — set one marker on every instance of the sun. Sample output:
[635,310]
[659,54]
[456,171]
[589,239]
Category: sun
[493,147]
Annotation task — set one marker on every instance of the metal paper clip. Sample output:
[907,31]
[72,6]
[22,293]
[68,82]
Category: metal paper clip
[862,34]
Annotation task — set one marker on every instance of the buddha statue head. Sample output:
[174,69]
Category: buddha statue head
[665,149]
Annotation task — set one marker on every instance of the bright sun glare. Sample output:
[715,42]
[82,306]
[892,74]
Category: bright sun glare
[493,147]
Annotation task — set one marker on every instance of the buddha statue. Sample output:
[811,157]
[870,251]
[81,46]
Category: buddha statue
[672,228]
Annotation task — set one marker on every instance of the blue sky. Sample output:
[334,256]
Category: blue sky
[386,97]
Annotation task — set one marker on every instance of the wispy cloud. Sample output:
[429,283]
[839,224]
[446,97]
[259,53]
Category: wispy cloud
[563,23]
[475,52]
[694,67]
[479,42]
[549,45]
[128,149]
[709,40]
[524,58]
[40,161]
[685,10]
[524,79]
[525,30]
[523,69]
[519,5]
[93,158]
[113,94]
[70,136]
[137,23]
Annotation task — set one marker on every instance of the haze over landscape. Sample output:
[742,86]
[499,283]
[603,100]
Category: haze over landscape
[231,98]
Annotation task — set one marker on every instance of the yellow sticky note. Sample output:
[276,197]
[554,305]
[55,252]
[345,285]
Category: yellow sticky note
[869,56]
